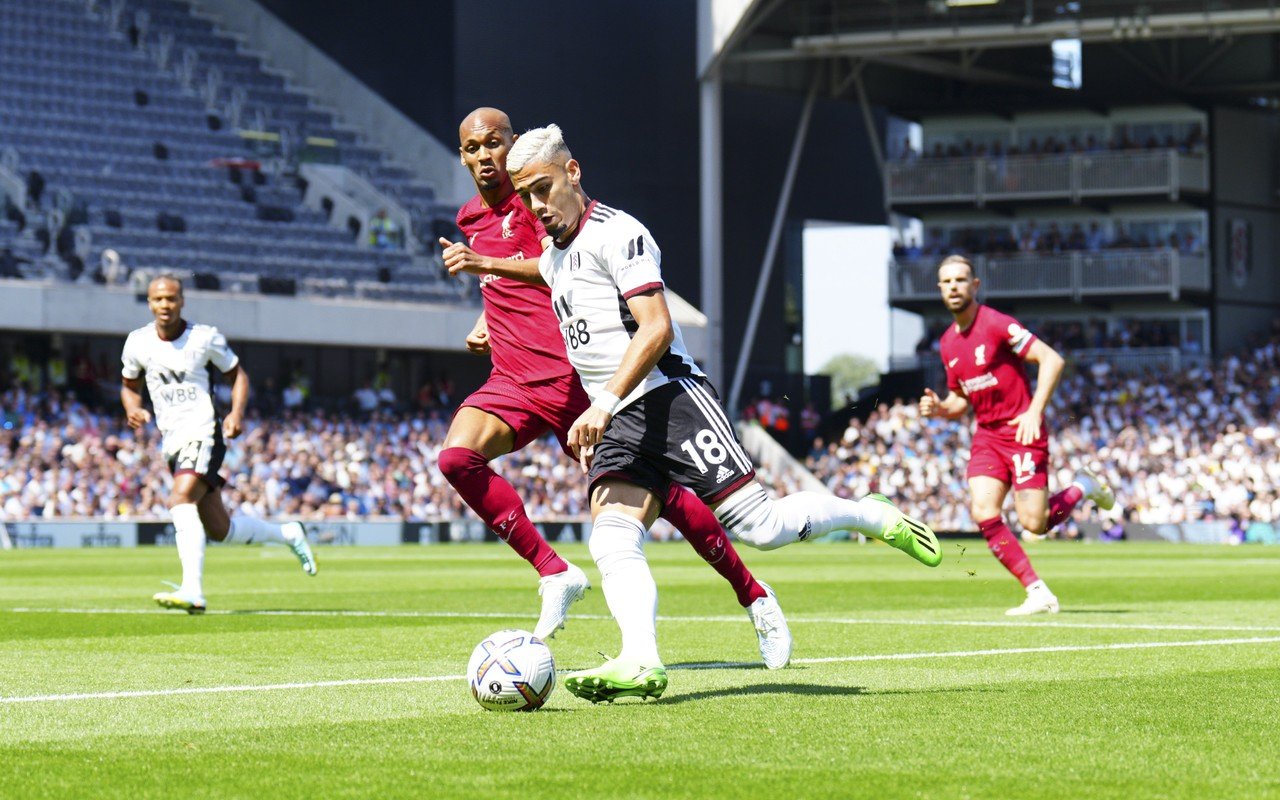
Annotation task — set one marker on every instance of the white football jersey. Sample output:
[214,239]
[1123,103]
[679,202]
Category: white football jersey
[611,259]
[178,378]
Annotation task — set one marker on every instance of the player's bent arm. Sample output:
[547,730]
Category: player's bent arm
[1049,373]
[478,340]
[231,426]
[654,334]
[131,399]
[953,406]
[239,389]
[460,258]
[521,269]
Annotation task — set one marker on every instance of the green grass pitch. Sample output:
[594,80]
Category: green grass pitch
[1161,678]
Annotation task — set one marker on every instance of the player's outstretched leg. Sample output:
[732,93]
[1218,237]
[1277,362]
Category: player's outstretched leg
[629,589]
[757,520]
[702,531]
[1087,486]
[499,507]
[190,538]
[700,528]
[1004,546]
[248,530]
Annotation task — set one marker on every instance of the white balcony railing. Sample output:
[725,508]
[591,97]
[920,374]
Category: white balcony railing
[1073,176]
[1075,275]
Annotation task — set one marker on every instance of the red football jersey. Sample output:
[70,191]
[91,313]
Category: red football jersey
[984,363]
[524,334]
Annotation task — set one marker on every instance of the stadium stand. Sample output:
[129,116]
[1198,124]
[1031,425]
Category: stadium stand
[132,114]
[1195,445]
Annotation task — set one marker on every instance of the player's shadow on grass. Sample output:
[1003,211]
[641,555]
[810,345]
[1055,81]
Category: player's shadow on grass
[797,689]
[808,690]
[1096,611]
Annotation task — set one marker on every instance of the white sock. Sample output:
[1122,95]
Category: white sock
[617,546]
[248,530]
[756,520]
[1038,586]
[188,533]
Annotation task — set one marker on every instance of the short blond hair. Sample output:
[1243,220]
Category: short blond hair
[540,145]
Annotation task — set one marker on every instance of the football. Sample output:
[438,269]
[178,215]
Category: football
[511,670]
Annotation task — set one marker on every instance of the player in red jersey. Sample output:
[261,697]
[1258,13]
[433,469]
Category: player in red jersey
[533,389]
[983,354]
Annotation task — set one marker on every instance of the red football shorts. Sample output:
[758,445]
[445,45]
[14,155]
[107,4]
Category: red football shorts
[1019,465]
[532,409]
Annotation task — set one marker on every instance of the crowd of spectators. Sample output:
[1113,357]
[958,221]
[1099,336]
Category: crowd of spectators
[1183,138]
[1031,238]
[1094,334]
[1089,334]
[60,458]
[1196,445]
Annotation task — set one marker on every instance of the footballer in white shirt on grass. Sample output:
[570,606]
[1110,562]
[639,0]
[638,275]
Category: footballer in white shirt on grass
[177,357]
[654,417]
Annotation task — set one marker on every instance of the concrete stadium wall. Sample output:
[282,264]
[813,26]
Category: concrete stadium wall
[71,308]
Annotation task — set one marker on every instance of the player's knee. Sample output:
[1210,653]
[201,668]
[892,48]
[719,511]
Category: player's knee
[983,511]
[762,530]
[1034,521]
[455,462]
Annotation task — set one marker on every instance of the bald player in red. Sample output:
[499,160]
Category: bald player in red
[983,353]
[533,389]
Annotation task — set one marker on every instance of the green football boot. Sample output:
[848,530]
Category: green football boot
[617,678]
[909,535]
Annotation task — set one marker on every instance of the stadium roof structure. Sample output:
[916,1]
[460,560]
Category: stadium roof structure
[918,58]
[929,55]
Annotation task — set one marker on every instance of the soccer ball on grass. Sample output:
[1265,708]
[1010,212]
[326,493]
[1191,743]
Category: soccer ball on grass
[511,670]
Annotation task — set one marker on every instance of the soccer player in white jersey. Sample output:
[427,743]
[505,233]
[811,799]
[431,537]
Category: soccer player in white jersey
[176,357]
[654,418]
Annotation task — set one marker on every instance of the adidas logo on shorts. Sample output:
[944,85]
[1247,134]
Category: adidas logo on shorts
[723,474]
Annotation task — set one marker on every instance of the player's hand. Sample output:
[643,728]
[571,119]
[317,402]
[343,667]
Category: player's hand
[137,418]
[232,425]
[929,403]
[460,258]
[586,433]
[1028,423]
[478,340]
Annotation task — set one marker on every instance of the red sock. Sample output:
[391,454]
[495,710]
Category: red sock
[1062,504]
[498,506]
[1004,546]
[702,530]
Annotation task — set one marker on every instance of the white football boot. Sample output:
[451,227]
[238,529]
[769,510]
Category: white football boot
[1039,601]
[558,592]
[771,629]
[295,535]
[183,601]
[1095,488]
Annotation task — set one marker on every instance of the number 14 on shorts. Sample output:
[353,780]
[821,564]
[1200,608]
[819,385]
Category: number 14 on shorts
[1024,467]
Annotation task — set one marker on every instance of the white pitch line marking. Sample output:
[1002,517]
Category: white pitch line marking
[1117,626]
[44,698]
[266,687]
